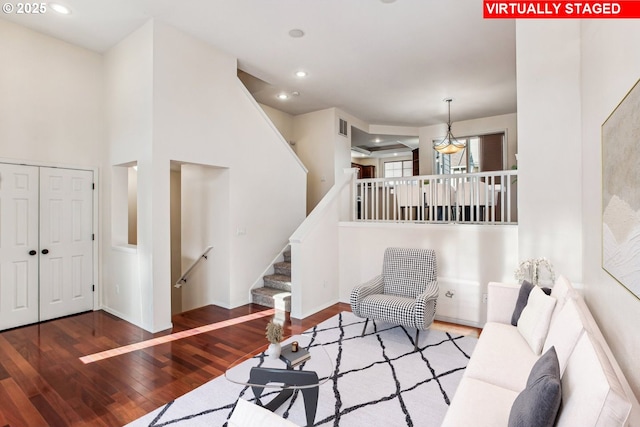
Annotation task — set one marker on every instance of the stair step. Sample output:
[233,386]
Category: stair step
[278,281]
[283,268]
[287,255]
[271,297]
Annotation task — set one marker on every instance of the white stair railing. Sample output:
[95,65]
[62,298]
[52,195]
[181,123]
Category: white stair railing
[479,198]
[183,279]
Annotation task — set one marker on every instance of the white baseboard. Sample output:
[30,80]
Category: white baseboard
[133,322]
[459,321]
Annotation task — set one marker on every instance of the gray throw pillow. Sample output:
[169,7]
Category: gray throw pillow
[538,404]
[521,303]
[547,364]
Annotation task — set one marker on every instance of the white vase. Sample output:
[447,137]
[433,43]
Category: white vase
[274,350]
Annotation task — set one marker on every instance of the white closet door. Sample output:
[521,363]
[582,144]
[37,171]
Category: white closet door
[66,242]
[18,245]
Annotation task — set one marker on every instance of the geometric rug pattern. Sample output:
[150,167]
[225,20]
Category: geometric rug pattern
[378,380]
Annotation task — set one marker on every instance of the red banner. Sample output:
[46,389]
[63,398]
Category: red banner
[493,9]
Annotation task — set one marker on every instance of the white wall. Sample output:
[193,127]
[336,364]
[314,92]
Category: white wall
[282,121]
[609,69]
[326,153]
[176,238]
[315,145]
[393,130]
[504,123]
[550,145]
[315,251]
[205,222]
[52,105]
[342,146]
[128,89]
[479,253]
[204,115]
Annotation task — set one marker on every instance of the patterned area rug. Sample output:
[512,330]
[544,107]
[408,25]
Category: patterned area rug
[378,380]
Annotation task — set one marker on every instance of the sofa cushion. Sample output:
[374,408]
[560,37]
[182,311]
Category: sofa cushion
[591,392]
[564,332]
[389,308]
[501,357]
[561,290]
[538,404]
[501,298]
[535,318]
[247,414]
[479,404]
[523,296]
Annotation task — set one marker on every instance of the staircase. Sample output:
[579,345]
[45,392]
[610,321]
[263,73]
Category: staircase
[276,292]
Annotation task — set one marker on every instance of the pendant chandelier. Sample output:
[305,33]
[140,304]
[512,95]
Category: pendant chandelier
[449,145]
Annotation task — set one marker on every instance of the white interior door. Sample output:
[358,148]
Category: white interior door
[66,242]
[18,245]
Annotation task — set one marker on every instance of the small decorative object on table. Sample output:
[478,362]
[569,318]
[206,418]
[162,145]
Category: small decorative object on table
[294,346]
[274,336]
[293,358]
[530,270]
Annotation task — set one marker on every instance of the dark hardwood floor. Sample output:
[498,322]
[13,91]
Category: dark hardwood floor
[44,383]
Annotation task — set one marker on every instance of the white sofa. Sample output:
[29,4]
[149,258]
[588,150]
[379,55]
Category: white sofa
[594,391]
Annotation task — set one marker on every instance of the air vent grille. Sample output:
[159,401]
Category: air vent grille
[343,129]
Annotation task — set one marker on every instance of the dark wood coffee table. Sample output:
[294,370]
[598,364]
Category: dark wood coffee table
[261,372]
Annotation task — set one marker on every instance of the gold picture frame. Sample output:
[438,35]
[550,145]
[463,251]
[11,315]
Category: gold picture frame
[621,192]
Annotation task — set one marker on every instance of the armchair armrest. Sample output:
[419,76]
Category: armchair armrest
[426,306]
[501,300]
[372,287]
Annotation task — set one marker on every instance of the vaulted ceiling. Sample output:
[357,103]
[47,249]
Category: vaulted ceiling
[386,62]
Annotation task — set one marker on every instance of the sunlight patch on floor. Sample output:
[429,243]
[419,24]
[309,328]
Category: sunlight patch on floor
[173,337]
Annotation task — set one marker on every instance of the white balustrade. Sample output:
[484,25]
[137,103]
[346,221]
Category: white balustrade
[479,198]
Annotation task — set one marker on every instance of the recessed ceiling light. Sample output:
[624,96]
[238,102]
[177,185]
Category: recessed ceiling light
[296,33]
[377,140]
[388,1]
[301,73]
[63,10]
[296,93]
[283,96]
[395,154]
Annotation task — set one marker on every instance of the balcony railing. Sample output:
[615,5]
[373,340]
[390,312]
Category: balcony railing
[480,198]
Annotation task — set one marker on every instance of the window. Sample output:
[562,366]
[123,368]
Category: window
[398,169]
[482,153]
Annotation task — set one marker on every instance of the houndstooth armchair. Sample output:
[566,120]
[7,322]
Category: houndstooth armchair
[405,293]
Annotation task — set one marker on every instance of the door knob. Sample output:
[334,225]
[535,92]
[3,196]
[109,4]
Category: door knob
[32,252]
[45,251]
